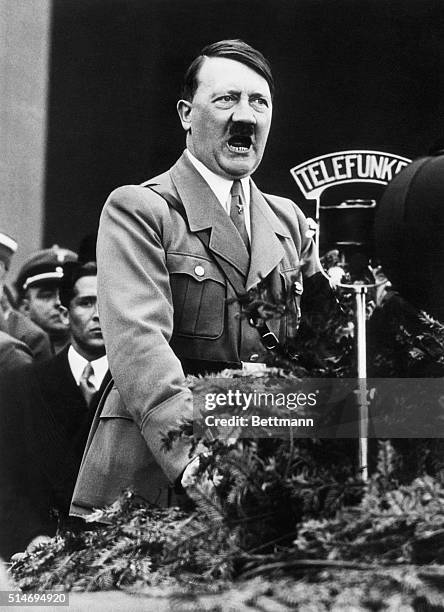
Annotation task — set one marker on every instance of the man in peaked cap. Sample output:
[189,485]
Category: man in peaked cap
[18,331]
[37,286]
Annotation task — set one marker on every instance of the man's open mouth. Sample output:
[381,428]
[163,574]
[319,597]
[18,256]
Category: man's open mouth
[239,144]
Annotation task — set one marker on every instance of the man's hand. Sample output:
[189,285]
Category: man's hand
[198,486]
[189,475]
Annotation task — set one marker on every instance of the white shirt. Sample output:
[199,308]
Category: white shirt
[77,363]
[221,188]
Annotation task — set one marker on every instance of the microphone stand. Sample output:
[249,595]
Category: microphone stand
[360,291]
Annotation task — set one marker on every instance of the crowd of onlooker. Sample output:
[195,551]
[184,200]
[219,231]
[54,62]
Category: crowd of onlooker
[52,367]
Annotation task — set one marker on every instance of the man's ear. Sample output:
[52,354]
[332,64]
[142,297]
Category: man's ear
[185,108]
[24,307]
[64,313]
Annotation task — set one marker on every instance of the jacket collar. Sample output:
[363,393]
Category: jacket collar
[205,212]
[220,186]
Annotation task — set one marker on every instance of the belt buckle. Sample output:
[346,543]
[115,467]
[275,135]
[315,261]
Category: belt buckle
[270,340]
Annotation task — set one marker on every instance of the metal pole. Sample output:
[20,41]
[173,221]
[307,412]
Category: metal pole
[360,293]
[317,219]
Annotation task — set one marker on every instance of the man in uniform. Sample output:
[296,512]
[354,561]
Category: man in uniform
[170,253]
[37,286]
[14,323]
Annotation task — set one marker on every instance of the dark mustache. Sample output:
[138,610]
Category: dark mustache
[241,129]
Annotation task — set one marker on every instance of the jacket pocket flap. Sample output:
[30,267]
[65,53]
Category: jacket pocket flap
[199,268]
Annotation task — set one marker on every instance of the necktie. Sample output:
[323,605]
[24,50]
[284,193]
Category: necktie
[237,213]
[86,386]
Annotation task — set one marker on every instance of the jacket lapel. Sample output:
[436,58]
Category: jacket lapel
[266,247]
[58,385]
[205,212]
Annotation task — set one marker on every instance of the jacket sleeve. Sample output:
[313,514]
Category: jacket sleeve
[136,315]
[13,354]
[32,335]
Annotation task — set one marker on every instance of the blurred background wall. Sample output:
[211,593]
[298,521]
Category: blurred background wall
[24,61]
[365,74]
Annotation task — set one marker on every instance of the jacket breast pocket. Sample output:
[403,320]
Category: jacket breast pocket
[199,292]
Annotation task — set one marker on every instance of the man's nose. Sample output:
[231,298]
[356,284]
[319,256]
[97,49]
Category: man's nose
[243,112]
[96,311]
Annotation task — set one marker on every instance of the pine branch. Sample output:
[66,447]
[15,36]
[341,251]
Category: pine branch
[306,564]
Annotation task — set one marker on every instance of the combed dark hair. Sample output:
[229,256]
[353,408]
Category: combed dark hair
[72,271]
[235,49]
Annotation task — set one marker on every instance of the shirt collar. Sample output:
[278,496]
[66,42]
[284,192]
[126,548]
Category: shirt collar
[219,185]
[77,364]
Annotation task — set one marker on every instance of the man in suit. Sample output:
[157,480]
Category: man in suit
[13,322]
[46,425]
[37,287]
[167,304]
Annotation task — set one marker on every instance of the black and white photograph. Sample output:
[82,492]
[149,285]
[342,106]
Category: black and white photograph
[222,305]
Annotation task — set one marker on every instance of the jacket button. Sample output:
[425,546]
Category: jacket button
[199,271]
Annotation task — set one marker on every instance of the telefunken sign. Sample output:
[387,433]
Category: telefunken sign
[315,175]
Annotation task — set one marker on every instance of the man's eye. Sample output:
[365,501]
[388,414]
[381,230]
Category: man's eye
[259,103]
[224,101]
[46,295]
[86,303]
